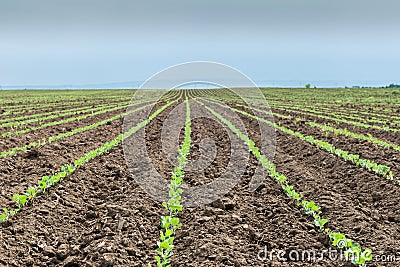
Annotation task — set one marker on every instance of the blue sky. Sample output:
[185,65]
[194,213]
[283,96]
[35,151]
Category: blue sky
[57,42]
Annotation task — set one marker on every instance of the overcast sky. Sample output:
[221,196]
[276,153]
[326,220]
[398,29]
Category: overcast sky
[55,42]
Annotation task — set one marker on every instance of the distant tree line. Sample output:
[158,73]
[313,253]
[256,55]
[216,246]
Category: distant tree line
[392,85]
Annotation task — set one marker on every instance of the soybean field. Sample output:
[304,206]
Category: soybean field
[200,177]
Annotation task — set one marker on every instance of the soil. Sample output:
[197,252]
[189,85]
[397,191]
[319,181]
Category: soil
[7,143]
[363,118]
[361,204]
[47,159]
[387,136]
[100,216]
[38,110]
[55,102]
[365,149]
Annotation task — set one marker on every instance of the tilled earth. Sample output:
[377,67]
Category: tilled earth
[100,216]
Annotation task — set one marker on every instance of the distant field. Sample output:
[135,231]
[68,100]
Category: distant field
[69,198]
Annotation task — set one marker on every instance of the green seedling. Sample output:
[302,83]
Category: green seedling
[48,181]
[21,200]
[171,222]
[338,240]
[320,222]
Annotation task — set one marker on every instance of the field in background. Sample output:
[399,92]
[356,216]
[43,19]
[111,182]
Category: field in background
[70,200]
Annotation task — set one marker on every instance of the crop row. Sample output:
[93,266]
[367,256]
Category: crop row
[40,108]
[44,141]
[15,106]
[367,164]
[340,120]
[38,120]
[33,99]
[170,223]
[54,99]
[370,119]
[371,101]
[47,182]
[355,114]
[350,248]
[39,143]
[332,112]
[351,107]
[378,97]
[54,123]
[326,128]
[345,132]
[52,112]
[329,128]
[339,104]
[15,122]
[18,109]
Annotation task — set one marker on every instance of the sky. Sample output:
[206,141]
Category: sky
[85,42]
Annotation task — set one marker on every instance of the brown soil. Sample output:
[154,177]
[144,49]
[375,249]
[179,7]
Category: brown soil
[361,204]
[79,99]
[7,143]
[362,118]
[99,216]
[387,136]
[365,149]
[37,110]
[47,159]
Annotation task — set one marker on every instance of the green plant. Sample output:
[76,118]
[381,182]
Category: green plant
[52,139]
[31,193]
[171,223]
[20,199]
[291,192]
[49,181]
[347,156]
[351,249]
[309,206]
[6,215]
[320,222]
[53,123]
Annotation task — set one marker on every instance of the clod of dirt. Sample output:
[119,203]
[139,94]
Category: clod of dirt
[224,203]
[32,153]
[204,219]
[49,251]
[229,204]
[71,262]
[62,252]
